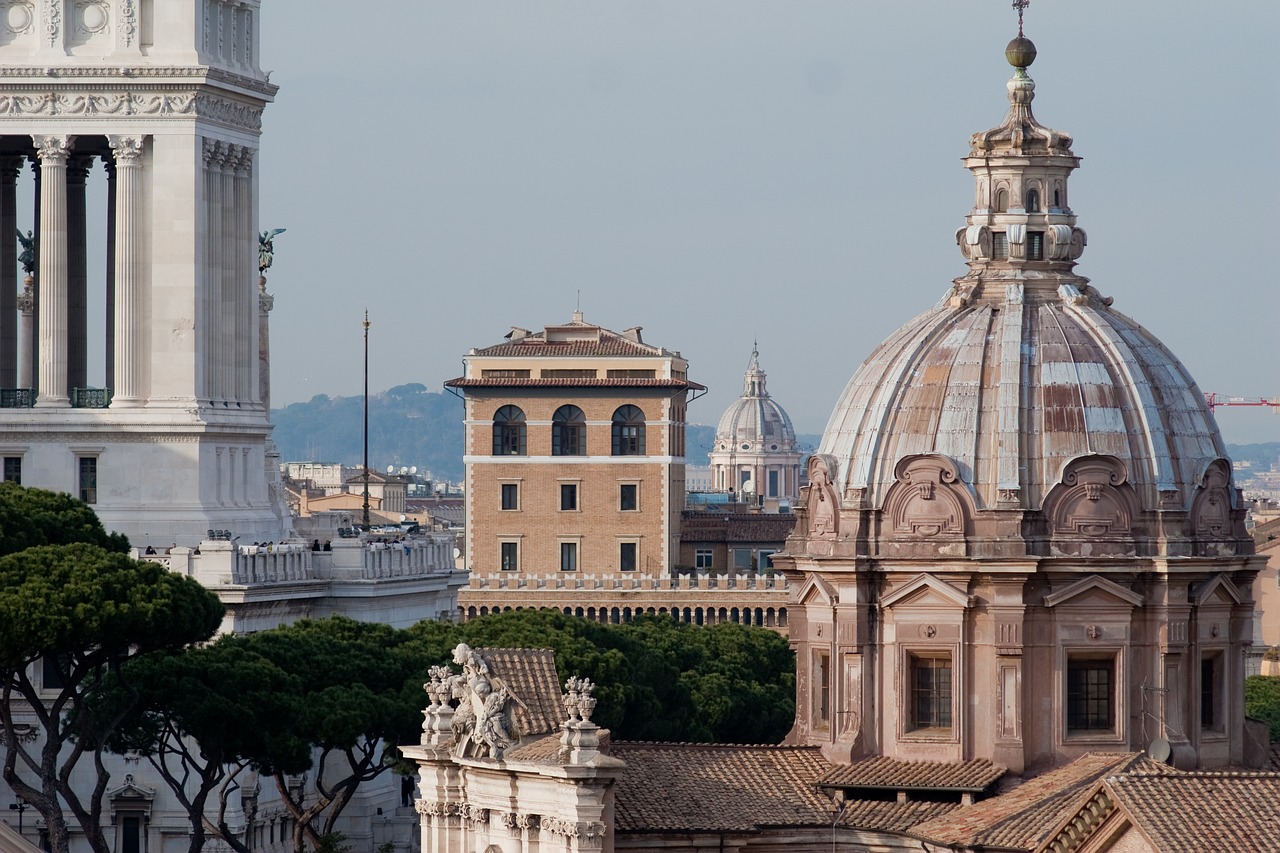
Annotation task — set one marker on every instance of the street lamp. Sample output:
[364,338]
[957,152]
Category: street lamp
[20,806]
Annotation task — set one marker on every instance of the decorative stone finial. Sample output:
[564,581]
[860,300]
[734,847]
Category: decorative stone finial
[1020,52]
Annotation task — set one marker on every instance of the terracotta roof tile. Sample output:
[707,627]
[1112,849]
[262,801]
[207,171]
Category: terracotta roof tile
[1021,818]
[891,817]
[535,346]
[531,676]
[1208,812]
[889,773]
[463,382]
[714,788]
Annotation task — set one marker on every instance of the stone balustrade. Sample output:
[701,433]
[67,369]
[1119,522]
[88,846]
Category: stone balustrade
[623,581]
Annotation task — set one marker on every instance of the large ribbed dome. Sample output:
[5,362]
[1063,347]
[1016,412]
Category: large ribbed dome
[1023,366]
[755,417]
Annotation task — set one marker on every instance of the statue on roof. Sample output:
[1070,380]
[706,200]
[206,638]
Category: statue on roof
[482,726]
[28,255]
[267,248]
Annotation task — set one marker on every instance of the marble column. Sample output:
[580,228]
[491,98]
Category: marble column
[10,166]
[227,324]
[211,299]
[26,357]
[246,357]
[265,303]
[130,322]
[53,152]
[109,310]
[78,166]
[32,341]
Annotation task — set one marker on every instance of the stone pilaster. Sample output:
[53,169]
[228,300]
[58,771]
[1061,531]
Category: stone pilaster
[128,273]
[78,167]
[214,153]
[109,318]
[53,152]
[227,332]
[246,355]
[10,166]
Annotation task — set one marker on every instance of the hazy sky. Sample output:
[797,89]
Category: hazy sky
[722,170]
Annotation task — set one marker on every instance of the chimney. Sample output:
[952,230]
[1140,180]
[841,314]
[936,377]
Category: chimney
[517,334]
[633,334]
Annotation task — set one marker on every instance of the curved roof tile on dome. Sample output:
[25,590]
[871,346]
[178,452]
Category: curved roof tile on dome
[755,416]
[1013,390]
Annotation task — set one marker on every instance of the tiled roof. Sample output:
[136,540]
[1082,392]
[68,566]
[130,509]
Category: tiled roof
[699,526]
[530,675]
[535,346]
[889,773]
[891,817]
[463,382]
[714,788]
[1226,812]
[1021,818]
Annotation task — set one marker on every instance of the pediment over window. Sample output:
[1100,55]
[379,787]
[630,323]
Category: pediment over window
[927,591]
[1216,590]
[1094,591]
[817,591]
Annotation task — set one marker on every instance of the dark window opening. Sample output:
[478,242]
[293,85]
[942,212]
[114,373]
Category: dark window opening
[931,692]
[627,556]
[568,496]
[89,479]
[629,497]
[628,431]
[1033,201]
[1090,695]
[568,432]
[1035,245]
[510,496]
[999,245]
[510,556]
[13,469]
[568,556]
[508,432]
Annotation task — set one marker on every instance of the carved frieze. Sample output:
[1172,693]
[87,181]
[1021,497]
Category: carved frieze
[128,21]
[52,21]
[588,831]
[117,104]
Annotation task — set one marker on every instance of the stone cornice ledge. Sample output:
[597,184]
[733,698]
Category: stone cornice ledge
[44,73]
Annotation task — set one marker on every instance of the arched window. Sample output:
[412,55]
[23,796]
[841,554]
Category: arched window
[1033,201]
[568,432]
[508,432]
[628,431]
[1057,198]
[1002,201]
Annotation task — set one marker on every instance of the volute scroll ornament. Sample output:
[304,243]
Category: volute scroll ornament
[926,499]
[821,498]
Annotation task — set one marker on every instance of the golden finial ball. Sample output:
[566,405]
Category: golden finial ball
[1021,52]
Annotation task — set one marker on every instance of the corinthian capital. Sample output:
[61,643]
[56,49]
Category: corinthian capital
[127,149]
[53,148]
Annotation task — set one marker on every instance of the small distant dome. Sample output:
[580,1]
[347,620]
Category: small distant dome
[755,417]
[1021,52]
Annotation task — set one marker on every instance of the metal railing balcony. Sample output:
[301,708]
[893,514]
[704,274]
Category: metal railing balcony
[17,398]
[90,398]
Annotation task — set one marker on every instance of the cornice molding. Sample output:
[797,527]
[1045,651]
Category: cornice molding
[115,73]
[114,105]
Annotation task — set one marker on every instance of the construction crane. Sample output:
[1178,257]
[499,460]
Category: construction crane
[1214,399]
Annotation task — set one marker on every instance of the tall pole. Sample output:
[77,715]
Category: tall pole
[366,419]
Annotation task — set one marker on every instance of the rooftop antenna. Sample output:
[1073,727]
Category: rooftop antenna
[364,508]
[1020,6]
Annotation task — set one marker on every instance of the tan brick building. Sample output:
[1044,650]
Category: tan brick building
[574,452]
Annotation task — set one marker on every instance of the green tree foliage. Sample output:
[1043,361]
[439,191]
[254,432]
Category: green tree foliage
[206,715]
[31,517]
[656,679]
[1262,701]
[70,615]
[356,696]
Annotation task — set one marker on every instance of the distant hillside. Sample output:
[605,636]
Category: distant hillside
[408,425]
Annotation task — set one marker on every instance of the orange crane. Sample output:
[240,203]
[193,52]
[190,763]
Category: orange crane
[1214,399]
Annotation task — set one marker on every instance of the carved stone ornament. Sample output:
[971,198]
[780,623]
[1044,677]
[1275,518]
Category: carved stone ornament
[924,501]
[928,631]
[1092,500]
[1211,509]
[483,725]
[587,831]
[127,149]
[474,814]
[579,704]
[19,16]
[128,21]
[52,21]
[1214,630]
[822,499]
[1093,632]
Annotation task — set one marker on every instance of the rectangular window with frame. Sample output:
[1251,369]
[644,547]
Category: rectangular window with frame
[629,497]
[568,497]
[1091,694]
[823,683]
[1035,245]
[743,559]
[1211,713]
[930,700]
[13,469]
[703,559]
[568,556]
[88,479]
[628,556]
[510,496]
[509,553]
[999,246]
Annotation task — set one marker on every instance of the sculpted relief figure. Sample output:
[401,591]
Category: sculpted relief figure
[482,725]
[824,508]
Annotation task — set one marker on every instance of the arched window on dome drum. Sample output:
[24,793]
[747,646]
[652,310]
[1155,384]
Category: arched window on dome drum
[508,432]
[1057,198]
[628,431]
[568,432]
[1002,201]
[1033,201]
